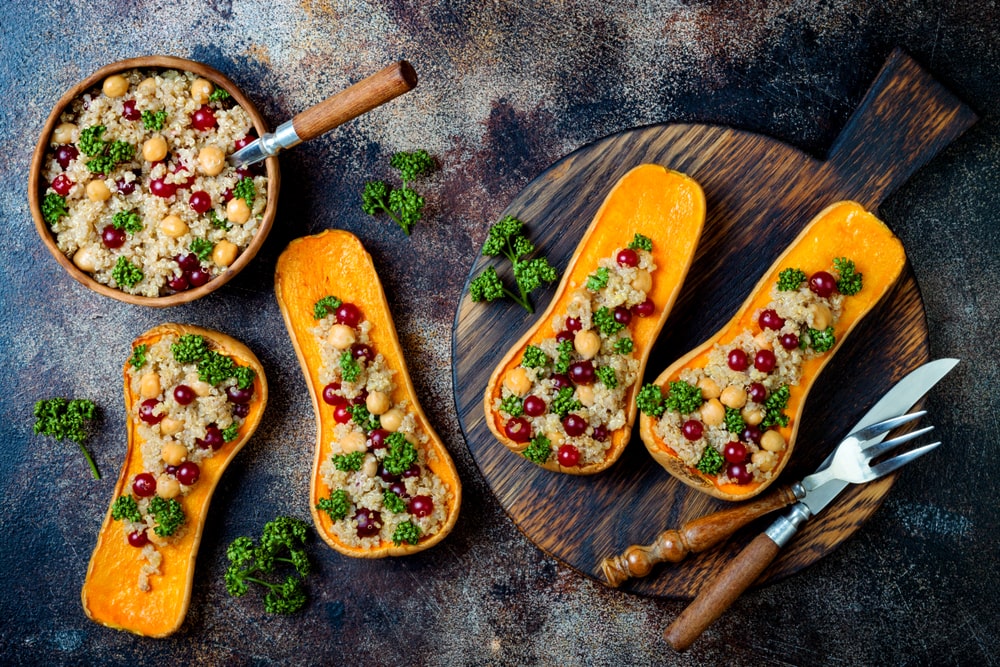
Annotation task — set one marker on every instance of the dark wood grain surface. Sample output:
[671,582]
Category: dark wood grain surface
[760,194]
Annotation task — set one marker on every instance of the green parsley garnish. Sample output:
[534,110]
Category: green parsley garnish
[126,507]
[534,357]
[103,164]
[154,120]
[215,368]
[641,242]
[90,142]
[623,346]
[244,376]
[606,374]
[393,502]
[246,191]
[169,515]
[564,403]
[407,532]
[127,220]
[683,398]
[400,454]
[604,319]
[189,348]
[202,248]
[512,405]
[65,419]
[218,95]
[538,450]
[850,281]
[348,462]
[711,461]
[598,279]
[138,358]
[350,369]
[820,341]
[126,273]
[565,352]
[325,306]
[121,151]
[774,406]
[54,208]
[217,222]
[791,279]
[650,400]
[363,418]
[734,421]
[230,432]
[337,505]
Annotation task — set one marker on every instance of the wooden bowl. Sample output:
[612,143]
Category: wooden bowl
[36,185]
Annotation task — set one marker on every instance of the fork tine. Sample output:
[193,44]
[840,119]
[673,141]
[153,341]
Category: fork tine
[879,448]
[886,425]
[887,467]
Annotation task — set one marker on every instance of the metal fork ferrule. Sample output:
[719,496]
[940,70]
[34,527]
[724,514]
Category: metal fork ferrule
[782,530]
[283,137]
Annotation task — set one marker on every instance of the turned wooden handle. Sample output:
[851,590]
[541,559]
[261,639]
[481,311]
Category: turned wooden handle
[694,536]
[363,96]
[719,593]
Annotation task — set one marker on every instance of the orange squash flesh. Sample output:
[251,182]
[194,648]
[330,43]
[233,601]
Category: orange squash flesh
[335,262]
[844,229]
[110,595]
[664,205]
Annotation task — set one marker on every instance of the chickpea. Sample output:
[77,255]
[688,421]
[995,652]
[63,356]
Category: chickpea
[517,381]
[555,438]
[585,395]
[148,86]
[822,316]
[411,438]
[171,426]
[173,453]
[733,397]
[392,419]
[237,211]
[201,89]
[167,486]
[154,149]
[65,133]
[85,259]
[712,412]
[587,343]
[709,388]
[370,465]
[149,385]
[211,160]
[353,442]
[762,342]
[173,226]
[224,253]
[341,336]
[752,416]
[98,191]
[378,402]
[642,282]
[200,388]
[772,441]
[764,460]
[115,85]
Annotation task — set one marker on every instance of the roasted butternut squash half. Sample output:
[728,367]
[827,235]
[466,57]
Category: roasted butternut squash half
[193,397]
[723,418]
[383,483]
[564,395]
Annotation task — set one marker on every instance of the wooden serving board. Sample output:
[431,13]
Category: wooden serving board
[760,193]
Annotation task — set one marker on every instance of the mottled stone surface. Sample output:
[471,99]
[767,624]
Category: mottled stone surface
[505,90]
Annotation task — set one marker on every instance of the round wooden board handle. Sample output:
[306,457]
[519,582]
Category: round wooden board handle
[719,593]
[694,536]
[362,97]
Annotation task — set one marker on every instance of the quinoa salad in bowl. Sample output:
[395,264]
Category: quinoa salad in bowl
[133,189]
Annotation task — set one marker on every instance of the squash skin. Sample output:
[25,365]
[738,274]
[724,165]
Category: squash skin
[335,262]
[109,593]
[638,203]
[843,229]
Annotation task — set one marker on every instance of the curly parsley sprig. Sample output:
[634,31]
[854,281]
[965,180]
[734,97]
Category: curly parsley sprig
[403,204]
[507,239]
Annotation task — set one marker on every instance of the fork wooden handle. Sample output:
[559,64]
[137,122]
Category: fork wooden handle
[694,536]
[719,593]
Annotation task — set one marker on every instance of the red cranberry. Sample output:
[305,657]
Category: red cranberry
[112,237]
[138,539]
[387,476]
[769,319]
[144,485]
[764,361]
[199,277]
[600,433]
[177,169]
[188,262]
[246,141]
[178,283]
[203,118]
[738,473]
[188,473]
[200,201]
[518,429]
[565,335]
[360,351]
[369,522]
[412,471]
[582,372]
[737,360]
[735,452]
[789,341]
[757,392]
[376,439]
[420,505]
[751,434]
[623,315]
[575,425]
[161,188]
[146,412]
[573,324]
[125,187]
[627,257]
[568,456]
[66,154]
[348,314]
[399,489]
[129,112]
[342,413]
[212,438]
[170,470]
[183,394]
[238,395]
[330,395]
[62,184]
[244,172]
[227,195]
[534,406]
[361,398]
[692,429]
[644,309]
[561,381]
[241,410]
[822,284]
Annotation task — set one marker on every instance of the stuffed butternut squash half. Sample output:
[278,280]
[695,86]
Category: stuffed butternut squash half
[564,395]
[383,483]
[193,397]
[723,418]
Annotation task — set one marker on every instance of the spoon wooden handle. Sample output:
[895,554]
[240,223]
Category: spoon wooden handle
[363,96]
[694,536]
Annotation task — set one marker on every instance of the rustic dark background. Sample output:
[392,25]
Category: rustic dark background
[506,89]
